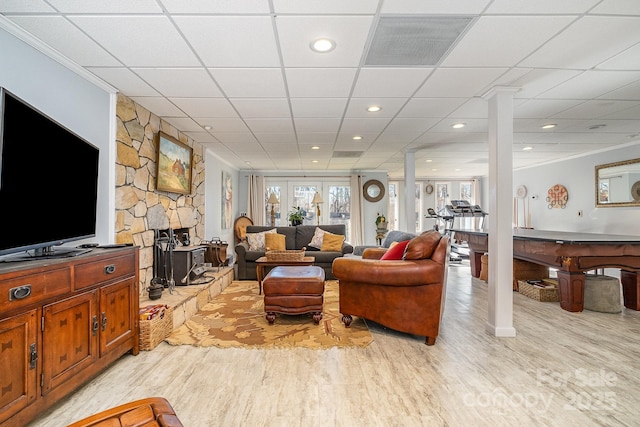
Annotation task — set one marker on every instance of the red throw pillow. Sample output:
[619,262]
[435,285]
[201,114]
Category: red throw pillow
[396,251]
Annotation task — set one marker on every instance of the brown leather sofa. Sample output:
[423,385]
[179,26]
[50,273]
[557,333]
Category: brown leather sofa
[406,295]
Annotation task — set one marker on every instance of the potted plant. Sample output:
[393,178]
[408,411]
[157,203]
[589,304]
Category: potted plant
[296,216]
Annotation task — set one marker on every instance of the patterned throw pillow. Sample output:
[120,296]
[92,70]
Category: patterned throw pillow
[316,241]
[274,242]
[332,242]
[256,240]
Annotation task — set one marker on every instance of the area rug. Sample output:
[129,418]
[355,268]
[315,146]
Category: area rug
[236,318]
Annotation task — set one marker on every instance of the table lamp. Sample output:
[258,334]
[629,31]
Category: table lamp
[273,199]
[317,200]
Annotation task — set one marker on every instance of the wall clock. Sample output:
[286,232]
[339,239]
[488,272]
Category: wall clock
[373,190]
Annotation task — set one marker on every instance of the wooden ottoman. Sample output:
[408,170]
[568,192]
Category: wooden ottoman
[294,290]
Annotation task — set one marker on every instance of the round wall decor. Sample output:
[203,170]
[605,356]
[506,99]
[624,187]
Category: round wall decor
[635,191]
[429,189]
[521,191]
[557,197]
[373,190]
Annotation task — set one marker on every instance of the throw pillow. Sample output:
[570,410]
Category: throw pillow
[274,242]
[395,251]
[332,242]
[316,241]
[256,240]
[423,246]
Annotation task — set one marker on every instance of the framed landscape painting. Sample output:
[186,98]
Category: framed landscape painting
[174,165]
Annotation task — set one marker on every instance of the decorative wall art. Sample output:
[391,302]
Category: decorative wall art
[227,200]
[557,197]
[174,165]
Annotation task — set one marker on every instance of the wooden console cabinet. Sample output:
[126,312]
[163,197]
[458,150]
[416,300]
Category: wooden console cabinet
[62,321]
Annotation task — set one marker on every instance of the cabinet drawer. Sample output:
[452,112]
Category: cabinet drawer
[102,270]
[33,288]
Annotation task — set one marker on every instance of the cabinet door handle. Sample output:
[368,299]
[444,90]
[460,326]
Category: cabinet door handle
[94,325]
[20,292]
[104,321]
[33,356]
[110,269]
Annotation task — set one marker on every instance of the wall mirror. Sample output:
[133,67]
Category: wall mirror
[618,184]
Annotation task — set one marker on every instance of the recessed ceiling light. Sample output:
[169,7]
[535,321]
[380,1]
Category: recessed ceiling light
[315,147]
[428,160]
[434,169]
[357,138]
[314,161]
[549,126]
[207,127]
[458,125]
[596,126]
[323,45]
[374,108]
[527,148]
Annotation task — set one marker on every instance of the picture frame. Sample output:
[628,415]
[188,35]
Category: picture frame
[174,165]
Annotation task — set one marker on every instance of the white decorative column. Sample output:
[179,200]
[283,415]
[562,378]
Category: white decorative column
[410,190]
[500,316]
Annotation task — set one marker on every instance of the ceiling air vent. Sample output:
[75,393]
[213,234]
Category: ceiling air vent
[414,40]
[346,154]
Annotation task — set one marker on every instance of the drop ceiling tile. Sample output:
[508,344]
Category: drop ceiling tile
[185,124]
[595,109]
[317,125]
[474,108]
[459,82]
[316,138]
[320,82]
[262,108]
[111,6]
[250,82]
[296,33]
[321,7]
[275,125]
[628,59]
[430,107]
[591,84]
[127,82]
[467,7]
[159,106]
[276,137]
[69,40]
[234,138]
[389,82]
[205,107]
[219,6]
[390,106]
[541,108]
[318,107]
[540,6]
[359,126]
[202,137]
[150,41]
[618,7]
[179,82]
[538,81]
[516,37]
[22,6]
[231,41]
[221,124]
[591,40]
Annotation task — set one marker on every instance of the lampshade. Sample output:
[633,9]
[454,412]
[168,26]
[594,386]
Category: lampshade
[273,199]
[317,199]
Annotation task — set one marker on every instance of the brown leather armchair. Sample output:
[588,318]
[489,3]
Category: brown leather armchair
[406,295]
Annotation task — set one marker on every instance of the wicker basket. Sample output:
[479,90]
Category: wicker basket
[547,294]
[154,331]
[292,255]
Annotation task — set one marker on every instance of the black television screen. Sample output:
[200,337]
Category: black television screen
[48,182]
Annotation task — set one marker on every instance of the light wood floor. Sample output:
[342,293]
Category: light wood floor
[573,369]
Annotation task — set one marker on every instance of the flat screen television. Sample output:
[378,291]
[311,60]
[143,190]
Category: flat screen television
[48,183]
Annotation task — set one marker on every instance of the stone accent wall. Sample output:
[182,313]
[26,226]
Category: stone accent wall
[140,208]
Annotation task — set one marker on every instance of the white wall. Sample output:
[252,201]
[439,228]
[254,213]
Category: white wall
[578,176]
[74,102]
[213,226]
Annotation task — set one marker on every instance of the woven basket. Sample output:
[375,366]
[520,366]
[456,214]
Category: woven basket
[548,294]
[154,331]
[292,255]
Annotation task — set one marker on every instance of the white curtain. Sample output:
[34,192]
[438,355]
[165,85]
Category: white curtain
[357,232]
[255,202]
